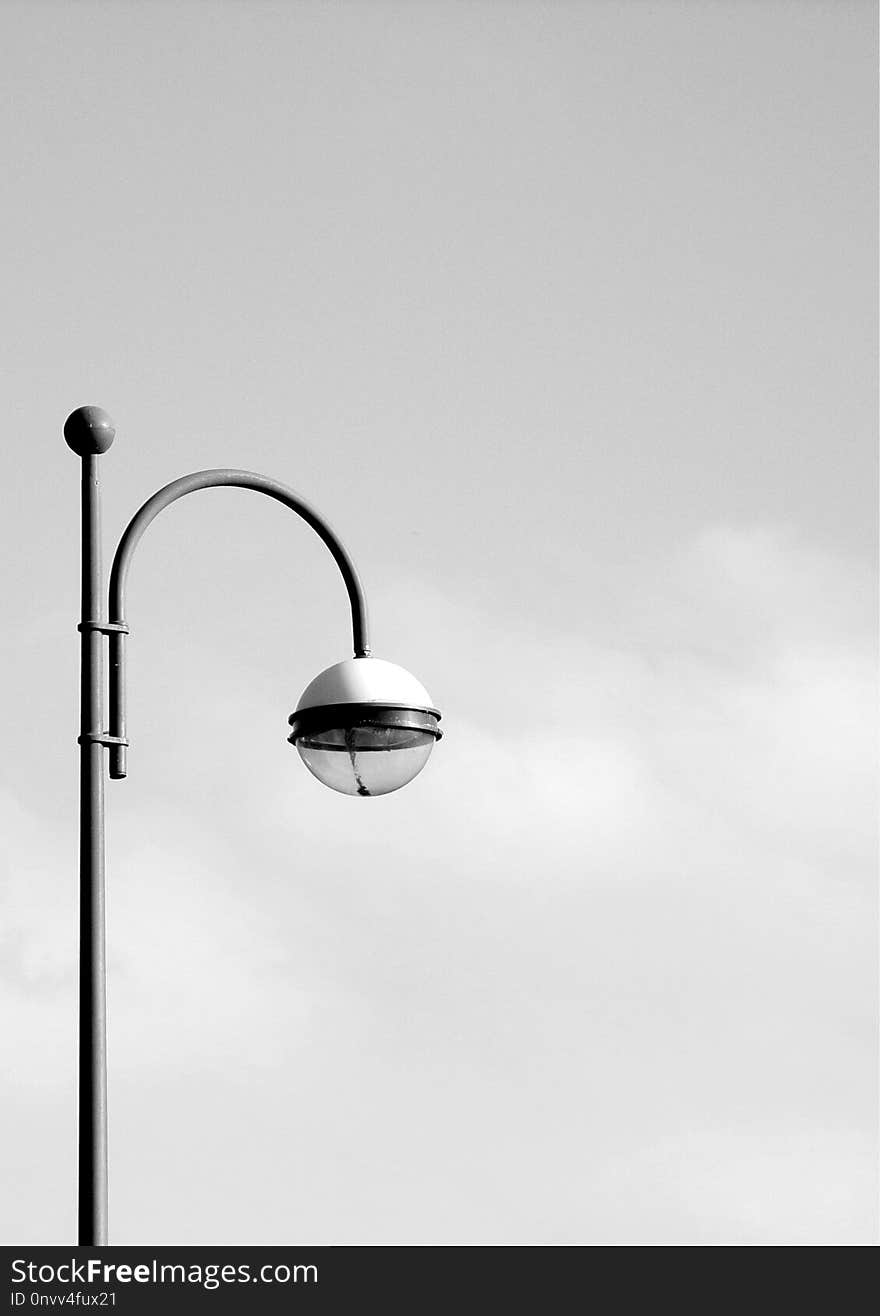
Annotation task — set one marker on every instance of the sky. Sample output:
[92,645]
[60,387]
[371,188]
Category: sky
[564,315]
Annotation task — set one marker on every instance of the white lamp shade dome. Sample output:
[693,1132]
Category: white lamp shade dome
[365,681]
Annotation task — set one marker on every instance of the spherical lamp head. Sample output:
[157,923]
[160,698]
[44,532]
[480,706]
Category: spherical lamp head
[89,431]
[365,727]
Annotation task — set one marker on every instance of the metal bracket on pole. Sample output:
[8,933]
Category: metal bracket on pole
[105,627]
[101,738]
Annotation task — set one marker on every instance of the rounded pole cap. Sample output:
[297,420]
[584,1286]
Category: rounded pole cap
[89,430]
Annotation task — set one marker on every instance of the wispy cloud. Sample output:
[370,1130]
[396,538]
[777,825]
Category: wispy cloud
[633,891]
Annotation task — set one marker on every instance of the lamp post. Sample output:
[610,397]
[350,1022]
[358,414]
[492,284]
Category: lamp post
[363,727]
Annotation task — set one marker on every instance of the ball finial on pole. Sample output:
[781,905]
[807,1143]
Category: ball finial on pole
[89,430]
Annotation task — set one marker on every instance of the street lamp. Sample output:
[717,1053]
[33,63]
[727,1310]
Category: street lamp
[363,727]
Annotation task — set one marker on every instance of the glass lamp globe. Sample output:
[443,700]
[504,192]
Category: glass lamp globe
[365,727]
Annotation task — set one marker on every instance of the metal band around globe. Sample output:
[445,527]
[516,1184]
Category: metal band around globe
[311,721]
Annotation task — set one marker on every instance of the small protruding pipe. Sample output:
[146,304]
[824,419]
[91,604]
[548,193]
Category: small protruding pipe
[116,689]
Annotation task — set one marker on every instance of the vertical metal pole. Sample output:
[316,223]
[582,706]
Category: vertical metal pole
[92,993]
[89,432]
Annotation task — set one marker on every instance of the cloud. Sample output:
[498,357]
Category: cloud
[752,1185]
[633,890]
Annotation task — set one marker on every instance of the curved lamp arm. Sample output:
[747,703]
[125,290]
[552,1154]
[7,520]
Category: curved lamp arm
[117,628]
